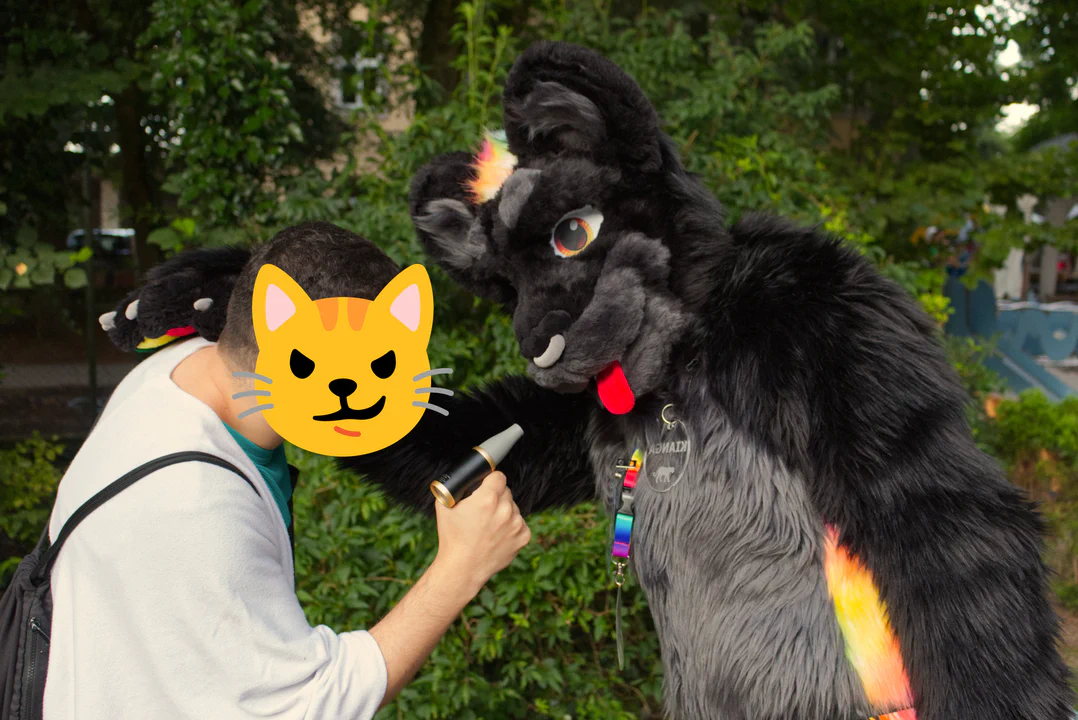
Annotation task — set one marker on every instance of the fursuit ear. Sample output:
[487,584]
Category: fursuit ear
[445,219]
[443,213]
[561,97]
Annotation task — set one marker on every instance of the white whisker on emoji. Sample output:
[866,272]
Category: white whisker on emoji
[256,376]
[435,371]
[251,393]
[255,409]
[434,391]
[428,406]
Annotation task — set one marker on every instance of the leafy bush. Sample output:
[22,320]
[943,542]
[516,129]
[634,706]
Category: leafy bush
[1037,442]
[967,356]
[28,479]
[537,642]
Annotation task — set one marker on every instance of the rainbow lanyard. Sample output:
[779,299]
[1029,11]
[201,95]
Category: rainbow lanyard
[623,536]
[623,519]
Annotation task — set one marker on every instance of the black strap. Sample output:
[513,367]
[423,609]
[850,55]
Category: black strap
[115,488]
[293,478]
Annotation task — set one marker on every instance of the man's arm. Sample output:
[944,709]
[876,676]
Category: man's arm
[477,538]
[208,603]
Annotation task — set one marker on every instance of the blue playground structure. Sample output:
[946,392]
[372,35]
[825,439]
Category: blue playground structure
[1023,332]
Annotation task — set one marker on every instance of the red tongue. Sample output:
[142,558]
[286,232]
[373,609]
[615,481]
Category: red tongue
[614,391]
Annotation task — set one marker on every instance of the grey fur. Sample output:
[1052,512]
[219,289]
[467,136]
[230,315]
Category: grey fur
[624,319]
[648,356]
[608,324]
[449,222]
[741,543]
[515,192]
[553,107]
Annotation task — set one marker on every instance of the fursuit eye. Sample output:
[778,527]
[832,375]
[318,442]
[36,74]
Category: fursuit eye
[300,365]
[384,366]
[575,231]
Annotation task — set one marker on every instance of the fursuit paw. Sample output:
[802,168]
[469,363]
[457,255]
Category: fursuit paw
[184,296]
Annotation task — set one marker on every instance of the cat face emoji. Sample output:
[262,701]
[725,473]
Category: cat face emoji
[345,376]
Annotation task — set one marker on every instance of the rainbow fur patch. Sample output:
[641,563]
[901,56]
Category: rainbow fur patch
[491,167]
[871,645]
[910,714]
[148,345]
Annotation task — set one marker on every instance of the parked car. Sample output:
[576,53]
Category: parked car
[113,259]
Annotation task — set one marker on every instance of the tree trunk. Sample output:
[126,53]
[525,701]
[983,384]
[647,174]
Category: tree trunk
[138,188]
[436,49]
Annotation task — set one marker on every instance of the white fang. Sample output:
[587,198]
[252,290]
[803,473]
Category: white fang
[552,353]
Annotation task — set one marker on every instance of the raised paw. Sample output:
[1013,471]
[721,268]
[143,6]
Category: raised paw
[184,296]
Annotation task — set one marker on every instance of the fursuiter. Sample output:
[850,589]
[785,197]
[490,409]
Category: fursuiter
[836,547]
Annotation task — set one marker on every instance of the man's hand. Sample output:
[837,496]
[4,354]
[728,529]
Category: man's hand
[481,534]
[478,537]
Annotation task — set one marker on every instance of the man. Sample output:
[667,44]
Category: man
[175,598]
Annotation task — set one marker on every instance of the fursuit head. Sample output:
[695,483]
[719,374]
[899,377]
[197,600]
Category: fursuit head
[834,545]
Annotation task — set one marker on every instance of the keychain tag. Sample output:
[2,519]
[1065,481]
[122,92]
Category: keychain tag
[668,451]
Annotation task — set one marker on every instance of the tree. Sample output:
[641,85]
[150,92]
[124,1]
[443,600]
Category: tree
[1049,43]
[79,74]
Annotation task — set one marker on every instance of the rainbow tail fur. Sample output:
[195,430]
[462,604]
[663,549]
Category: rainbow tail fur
[910,714]
[871,645]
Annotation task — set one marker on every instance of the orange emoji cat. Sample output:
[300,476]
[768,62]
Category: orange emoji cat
[343,376]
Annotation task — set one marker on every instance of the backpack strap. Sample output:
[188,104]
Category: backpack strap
[115,488]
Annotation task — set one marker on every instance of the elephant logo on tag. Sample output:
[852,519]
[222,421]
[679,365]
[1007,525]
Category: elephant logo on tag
[665,460]
[663,475]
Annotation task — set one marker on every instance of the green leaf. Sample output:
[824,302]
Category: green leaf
[26,236]
[75,278]
[5,278]
[166,238]
[83,254]
[18,256]
[185,226]
[43,274]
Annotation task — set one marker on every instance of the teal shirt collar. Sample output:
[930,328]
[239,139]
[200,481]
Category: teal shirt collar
[273,466]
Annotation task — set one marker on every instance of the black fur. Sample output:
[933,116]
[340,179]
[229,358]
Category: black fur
[792,358]
[560,476]
[168,293]
[805,350]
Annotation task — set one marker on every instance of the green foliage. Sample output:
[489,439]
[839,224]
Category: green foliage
[230,97]
[1049,41]
[50,61]
[1067,594]
[873,121]
[30,263]
[1037,442]
[967,356]
[537,642]
[1033,423]
[28,479]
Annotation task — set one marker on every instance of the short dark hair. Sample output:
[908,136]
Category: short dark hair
[326,260]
